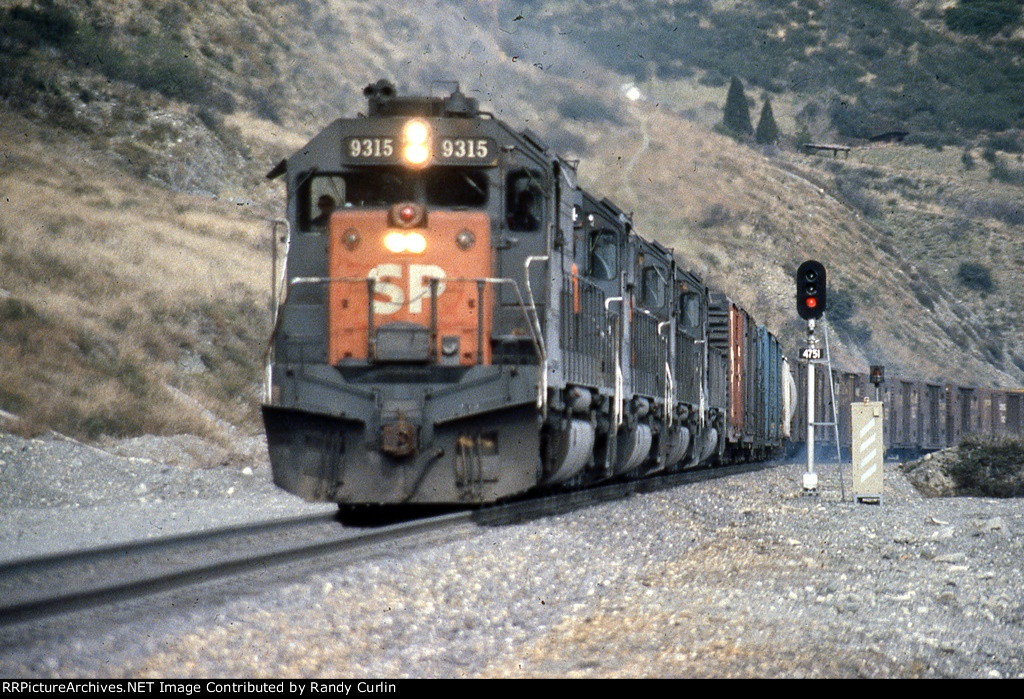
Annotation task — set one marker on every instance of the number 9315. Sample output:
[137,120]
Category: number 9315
[464,148]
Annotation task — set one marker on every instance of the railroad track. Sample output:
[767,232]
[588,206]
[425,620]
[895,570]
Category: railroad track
[39,588]
[43,587]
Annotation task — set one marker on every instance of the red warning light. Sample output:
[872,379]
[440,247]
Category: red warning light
[812,302]
[407,215]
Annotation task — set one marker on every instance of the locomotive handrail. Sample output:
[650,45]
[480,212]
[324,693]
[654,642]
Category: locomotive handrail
[277,292]
[616,407]
[542,391]
[538,342]
[529,292]
[538,345]
[670,389]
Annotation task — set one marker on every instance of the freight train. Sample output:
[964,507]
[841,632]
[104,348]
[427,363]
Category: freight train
[457,321]
[920,416]
[460,322]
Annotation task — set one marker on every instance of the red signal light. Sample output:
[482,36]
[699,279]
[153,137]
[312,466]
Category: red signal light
[810,290]
[407,214]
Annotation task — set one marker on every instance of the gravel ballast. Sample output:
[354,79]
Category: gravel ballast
[737,577]
[60,495]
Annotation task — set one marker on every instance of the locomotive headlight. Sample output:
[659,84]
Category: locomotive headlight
[415,243]
[416,131]
[398,242]
[416,154]
[416,135]
[395,242]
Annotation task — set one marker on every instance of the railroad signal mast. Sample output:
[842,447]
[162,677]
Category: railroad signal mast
[810,305]
[810,290]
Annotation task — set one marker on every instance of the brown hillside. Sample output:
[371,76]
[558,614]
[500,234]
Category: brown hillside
[134,271]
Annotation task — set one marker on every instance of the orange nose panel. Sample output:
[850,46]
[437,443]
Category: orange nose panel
[402,284]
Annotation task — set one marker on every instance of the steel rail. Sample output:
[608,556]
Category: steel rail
[42,587]
[37,588]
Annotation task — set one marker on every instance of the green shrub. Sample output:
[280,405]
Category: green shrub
[930,140]
[841,306]
[714,215]
[989,468]
[852,119]
[840,312]
[583,108]
[1008,143]
[948,88]
[854,192]
[858,334]
[14,309]
[712,78]
[158,63]
[1001,173]
[161,64]
[1017,361]
[1009,212]
[977,276]
[45,23]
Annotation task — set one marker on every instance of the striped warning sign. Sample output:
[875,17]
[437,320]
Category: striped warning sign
[868,450]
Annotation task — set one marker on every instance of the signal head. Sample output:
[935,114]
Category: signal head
[810,290]
[877,374]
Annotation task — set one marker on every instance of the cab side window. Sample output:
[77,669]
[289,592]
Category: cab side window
[318,198]
[653,291]
[689,306]
[524,200]
[602,255]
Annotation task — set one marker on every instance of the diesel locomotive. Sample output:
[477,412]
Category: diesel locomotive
[459,322]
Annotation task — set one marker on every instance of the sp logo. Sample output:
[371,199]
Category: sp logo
[404,284]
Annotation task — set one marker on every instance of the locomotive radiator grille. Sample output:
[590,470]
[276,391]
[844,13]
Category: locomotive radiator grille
[587,344]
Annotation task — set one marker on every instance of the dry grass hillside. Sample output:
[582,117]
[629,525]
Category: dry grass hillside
[126,307]
[134,262]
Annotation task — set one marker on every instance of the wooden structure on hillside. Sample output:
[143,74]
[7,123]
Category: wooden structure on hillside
[835,148]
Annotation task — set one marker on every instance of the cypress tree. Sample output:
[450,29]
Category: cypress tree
[767,129]
[737,111]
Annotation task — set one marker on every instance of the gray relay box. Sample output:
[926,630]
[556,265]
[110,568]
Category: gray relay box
[868,451]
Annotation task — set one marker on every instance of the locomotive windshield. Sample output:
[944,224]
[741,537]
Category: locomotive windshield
[380,187]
